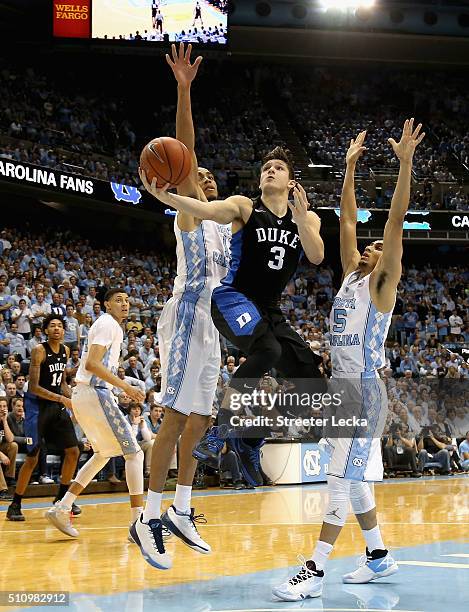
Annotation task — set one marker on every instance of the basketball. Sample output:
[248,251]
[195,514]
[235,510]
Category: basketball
[166,159]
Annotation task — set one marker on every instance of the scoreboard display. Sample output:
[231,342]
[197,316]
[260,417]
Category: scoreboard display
[143,21]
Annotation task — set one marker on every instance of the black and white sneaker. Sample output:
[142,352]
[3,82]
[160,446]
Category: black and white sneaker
[306,583]
[183,526]
[149,537]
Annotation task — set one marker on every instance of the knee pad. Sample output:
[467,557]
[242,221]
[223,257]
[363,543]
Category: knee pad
[87,472]
[134,472]
[361,497]
[339,499]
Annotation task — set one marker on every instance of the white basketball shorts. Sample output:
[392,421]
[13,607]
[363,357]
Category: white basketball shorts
[360,458]
[190,356]
[104,424]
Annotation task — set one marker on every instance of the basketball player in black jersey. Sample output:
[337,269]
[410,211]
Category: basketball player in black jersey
[198,15]
[269,235]
[46,419]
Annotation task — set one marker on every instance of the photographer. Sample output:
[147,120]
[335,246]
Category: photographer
[401,449]
[434,450]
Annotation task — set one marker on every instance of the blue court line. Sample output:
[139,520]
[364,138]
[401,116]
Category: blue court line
[88,500]
[413,588]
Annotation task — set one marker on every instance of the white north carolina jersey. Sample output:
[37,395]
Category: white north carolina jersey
[203,259]
[107,332]
[358,330]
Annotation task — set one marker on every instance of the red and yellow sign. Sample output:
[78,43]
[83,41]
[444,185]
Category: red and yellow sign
[72,19]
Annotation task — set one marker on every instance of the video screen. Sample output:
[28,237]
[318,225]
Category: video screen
[194,21]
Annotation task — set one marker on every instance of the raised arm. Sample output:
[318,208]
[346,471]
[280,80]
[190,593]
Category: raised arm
[349,254]
[221,211]
[387,274]
[308,224]
[184,73]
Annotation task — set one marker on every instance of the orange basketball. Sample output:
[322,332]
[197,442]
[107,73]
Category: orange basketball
[167,159]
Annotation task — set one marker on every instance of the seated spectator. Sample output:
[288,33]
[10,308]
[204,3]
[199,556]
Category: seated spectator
[135,369]
[73,363]
[135,382]
[401,449]
[142,433]
[464,453]
[8,452]
[153,379]
[18,344]
[154,418]
[38,338]
[230,473]
[434,451]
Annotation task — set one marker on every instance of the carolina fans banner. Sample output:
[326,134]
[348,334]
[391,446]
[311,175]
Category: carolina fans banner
[72,19]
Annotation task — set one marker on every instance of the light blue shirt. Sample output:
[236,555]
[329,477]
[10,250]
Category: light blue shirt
[463,448]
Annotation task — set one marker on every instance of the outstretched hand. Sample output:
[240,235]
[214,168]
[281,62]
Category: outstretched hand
[356,148]
[405,148]
[180,64]
[159,194]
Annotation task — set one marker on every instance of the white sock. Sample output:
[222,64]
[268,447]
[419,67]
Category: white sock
[135,513]
[68,499]
[373,539]
[321,554]
[153,506]
[182,499]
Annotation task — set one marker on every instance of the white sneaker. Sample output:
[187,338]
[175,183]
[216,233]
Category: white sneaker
[166,534]
[61,517]
[369,569]
[183,526]
[45,480]
[149,537]
[306,583]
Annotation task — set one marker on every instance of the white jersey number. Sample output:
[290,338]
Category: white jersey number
[279,253]
[57,379]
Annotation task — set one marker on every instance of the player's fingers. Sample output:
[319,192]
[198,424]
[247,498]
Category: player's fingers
[181,51]
[392,142]
[169,60]
[351,141]
[165,187]
[174,53]
[417,130]
[420,138]
[187,55]
[198,61]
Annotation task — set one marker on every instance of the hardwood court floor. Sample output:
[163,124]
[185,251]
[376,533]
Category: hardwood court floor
[256,537]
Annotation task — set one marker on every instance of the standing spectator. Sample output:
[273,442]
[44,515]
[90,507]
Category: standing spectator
[97,312]
[72,330]
[40,309]
[17,342]
[455,325]
[57,306]
[38,338]
[410,319]
[21,385]
[85,328]
[22,317]
[442,326]
[6,301]
[147,353]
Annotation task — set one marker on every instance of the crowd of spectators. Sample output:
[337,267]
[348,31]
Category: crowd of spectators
[61,273]
[46,122]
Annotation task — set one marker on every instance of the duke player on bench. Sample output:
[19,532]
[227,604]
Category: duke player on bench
[359,324]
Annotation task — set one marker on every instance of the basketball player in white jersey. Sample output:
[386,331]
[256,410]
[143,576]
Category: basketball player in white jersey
[359,323]
[98,414]
[189,345]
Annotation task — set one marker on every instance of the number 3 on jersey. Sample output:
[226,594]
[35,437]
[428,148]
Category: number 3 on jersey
[279,253]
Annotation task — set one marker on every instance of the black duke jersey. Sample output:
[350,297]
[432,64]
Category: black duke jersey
[264,255]
[53,368]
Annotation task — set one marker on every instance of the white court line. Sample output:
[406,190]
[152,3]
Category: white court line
[460,555]
[216,525]
[318,609]
[435,564]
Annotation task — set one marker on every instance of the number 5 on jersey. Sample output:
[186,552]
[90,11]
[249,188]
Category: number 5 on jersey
[340,320]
